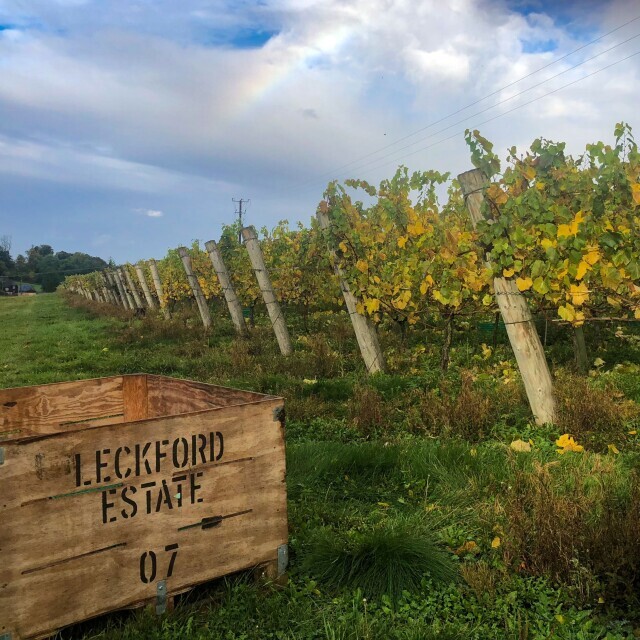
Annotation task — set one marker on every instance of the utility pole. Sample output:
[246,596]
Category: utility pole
[239,212]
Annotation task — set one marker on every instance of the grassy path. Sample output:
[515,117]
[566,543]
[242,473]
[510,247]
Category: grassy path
[44,340]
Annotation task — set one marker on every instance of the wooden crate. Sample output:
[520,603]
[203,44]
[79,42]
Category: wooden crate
[121,491]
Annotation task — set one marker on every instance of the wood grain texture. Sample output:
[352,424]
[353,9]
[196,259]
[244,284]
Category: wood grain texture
[274,310]
[46,408]
[517,317]
[171,396]
[134,396]
[72,544]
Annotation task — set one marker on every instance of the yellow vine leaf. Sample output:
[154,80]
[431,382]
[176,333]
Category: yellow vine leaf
[635,192]
[567,443]
[496,542]
[402,240]
[583,267]
[592,256]
[343,247]
[507,273]
[546,243]
[529,173]
[372,305]
[496,194]
[572,229]
[362,265]
[613,449]
[579,294]
[416,229]
[524,284]
[636,313]
[567,312]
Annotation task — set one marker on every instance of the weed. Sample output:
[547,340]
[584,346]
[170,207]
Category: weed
[369,412]
[577,521]
[388,559]
[591,413]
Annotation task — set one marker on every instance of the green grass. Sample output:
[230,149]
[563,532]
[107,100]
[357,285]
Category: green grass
[391,522]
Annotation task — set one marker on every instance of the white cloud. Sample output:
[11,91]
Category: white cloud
[132,99]
[150,213]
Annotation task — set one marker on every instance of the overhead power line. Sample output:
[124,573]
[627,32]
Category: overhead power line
[388,161]
[493,106]
[350,164]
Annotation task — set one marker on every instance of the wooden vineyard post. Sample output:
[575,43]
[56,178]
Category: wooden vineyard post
[264,282]
[145,287]
[517,317]
[134,290]
[157,283]
[363,327]
[108,289]
[117,292]
[235,309]
[124,292]
[195,287]
[106,292]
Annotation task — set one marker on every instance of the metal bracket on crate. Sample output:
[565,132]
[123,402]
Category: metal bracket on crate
[2,462]
[283,559]
[161,597]
[278,414]
[5,636]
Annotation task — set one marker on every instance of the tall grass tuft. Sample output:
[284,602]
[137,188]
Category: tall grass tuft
[312,462]
[392,557]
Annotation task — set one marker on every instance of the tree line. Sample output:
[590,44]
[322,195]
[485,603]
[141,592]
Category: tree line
[42,265]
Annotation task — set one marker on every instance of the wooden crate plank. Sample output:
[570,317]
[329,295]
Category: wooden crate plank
[132,511]
[57,407]
[171,396]
[115,578]
[135,397]
[47,467]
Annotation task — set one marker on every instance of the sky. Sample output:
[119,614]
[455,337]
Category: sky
[128,126]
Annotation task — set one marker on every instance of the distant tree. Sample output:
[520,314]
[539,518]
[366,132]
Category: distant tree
[21,267]
[7,265]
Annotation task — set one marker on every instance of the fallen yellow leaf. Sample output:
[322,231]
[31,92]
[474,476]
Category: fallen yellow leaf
[520,446]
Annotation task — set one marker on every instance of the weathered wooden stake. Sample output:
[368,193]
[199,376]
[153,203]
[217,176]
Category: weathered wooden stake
[113,286]
[195,287]
[264,282]
[145,288]
[517,317]
[363,327]
[157,283]
[124,292]
[233,304]
[134,291]
[106,288]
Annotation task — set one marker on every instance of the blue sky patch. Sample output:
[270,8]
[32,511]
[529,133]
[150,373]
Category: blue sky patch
[538,46]
[243,39]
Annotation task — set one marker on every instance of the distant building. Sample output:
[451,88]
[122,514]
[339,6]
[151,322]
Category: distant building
[9,287]
[26,290]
